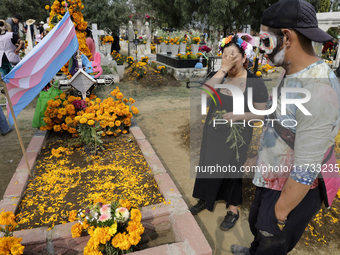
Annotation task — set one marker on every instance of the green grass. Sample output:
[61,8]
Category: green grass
[107,70]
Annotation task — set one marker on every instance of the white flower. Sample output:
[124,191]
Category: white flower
[122,214]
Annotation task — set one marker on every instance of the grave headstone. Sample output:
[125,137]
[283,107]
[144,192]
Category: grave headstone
[139,27]
[21,28]
[96,33]
[29,40]
[131,36]
[148,40]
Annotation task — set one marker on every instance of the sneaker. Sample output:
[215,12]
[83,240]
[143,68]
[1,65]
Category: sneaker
[229,220]
[11,128]
[239,250]
[199,207]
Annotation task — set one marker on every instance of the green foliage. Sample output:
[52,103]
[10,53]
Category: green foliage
[315,3]
[335,5]
[29,9]
[324,6]
[109,15]
[332,31]
[90,136]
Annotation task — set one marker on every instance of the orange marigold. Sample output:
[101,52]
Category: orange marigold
[77,230]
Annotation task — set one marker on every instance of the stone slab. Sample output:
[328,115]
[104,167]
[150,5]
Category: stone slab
[10,204]
[36,144]
[32,236]
[17,185]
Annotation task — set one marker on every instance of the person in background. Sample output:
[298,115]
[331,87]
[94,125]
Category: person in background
[41,27]
[8,54]
[90,42]
[115,45]
[14,23]
[248,51]
[287,199]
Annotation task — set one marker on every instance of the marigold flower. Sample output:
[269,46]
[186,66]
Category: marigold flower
[90,122]
[118,123]
[83,120]
[72,216]
[57,128]
[125,203]
[121,241]
[134,238]
[47,7]
[119,95]
[77,230]
[136,215]
[7,218]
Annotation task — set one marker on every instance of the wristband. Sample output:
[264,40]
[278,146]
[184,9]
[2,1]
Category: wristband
[281,224]
[225,73]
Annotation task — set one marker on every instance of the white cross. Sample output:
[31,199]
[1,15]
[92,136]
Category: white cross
[96,33]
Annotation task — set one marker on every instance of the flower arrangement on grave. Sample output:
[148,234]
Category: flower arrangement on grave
[161,69]
[174,41]
[142,39]
[129,60]
[204,49]
[153,48]
[119,59]
[58,9]
[9,244]
[196,40]
[60,113]
[107,39]
[145,59]
[139,68]
[114,228]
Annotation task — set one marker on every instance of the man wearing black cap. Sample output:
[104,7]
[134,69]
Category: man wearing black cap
[290,155]
[13,22]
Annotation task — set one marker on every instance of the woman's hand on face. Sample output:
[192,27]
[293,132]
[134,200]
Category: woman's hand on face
[231,117]
[228,61]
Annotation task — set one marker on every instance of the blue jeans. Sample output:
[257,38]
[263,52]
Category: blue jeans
[4,127]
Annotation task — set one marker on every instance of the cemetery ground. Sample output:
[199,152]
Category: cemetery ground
[163,118]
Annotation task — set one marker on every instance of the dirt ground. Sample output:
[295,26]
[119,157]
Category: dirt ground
[163,112]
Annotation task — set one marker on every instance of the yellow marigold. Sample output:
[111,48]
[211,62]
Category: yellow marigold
[135,227]
[135,110]
[57,128]
[71,99]
[62,111]
[136,215]
[62,96]
[76,230]
[90,122]
[134,238]
[68,120]
[102,234]
[83,120]
[124,131]
[72,216]
[47,120]
[50,103]
[64,126]
[131,100]
[119,95]
[125,100]
[47,7]
[121,241]
[125,203]
[113,229]
[258,73]
[114,92]
[72,130]
[7,218]
[118,123]
[17,249]
[98,100]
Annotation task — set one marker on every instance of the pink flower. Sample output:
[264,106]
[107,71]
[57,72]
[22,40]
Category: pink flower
[244,45]
[105,217]
[105,209]
[122,214]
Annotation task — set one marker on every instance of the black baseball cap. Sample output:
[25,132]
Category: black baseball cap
[295,14]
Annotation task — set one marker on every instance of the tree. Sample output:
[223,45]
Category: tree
[315,3]
[324,5]
[174,13]
[109,15]
[332,31]
[29,9]
[335,5]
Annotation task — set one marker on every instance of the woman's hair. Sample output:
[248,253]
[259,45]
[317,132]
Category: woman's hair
[235,40]
[2,23]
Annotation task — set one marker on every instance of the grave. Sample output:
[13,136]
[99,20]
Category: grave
[328,20]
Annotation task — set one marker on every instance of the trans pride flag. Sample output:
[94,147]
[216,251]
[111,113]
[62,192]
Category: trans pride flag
[38,67]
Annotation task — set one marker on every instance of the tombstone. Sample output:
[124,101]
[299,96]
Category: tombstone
[96,33]
[131,37]
[148,40]
[29,40]
[139,27]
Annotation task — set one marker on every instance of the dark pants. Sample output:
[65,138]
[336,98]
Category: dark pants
[268,238]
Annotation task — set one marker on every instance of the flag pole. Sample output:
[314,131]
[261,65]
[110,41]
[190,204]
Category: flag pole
[16,127]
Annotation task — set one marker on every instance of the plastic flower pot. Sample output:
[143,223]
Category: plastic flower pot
[174,50]
[194,48]
[182,48]
[120,71]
